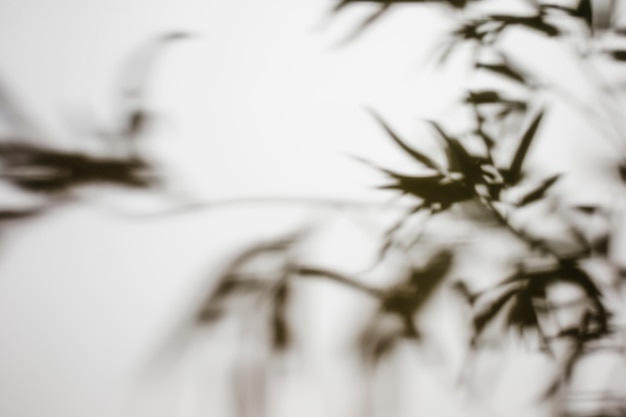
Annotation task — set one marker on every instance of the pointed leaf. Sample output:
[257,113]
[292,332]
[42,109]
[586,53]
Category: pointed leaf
[585,12]
[587,209]
[483,97]
[468,165]
[515,170]
[522,314]
[538,192]
[504,70]
[367,23]
[233,284]
[531,22]
[432,190]
[491,312]
[8,215]
[454,164]
[424,159]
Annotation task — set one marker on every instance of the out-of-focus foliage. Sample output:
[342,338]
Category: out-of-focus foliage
[496,177]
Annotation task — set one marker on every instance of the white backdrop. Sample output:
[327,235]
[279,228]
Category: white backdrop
[260,102]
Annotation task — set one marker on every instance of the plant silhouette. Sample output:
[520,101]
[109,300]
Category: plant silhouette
[488,168]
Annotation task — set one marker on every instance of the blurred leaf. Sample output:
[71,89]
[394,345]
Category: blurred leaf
[585,12]
[368,22]
[429,277]
[582,11]
[232,287]
[418,156]
[492,97]
[528,286]
[454,164]
[379,338]
[483,97]
[389,234]
[581,336]
[459,160]
[234,283]
[280,330]
[587,209]
[538,192]
[8,215]
[134,80]
[522,314]
[531,22]
[488,314]
[385,5]
[622,171]
[433,190]
[617,54]
[408,298]
[462,289]
[504,70]
[312,272]
[514,173]
[45,170]
[468,31]
[455,3]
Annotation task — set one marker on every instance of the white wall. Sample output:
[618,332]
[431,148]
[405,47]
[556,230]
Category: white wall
[262,102]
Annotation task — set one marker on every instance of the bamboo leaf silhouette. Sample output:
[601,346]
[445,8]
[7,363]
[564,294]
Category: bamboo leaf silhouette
[454,164]
[464,291]
[385,5]
[233,283]
[587,209]
[43,170]
[536,22]
[408,298]
[493,97]
[368,22]
[319,273]
[418,156]
[483,97]
[539,192]
[459,160]
[134,78]
[504,70]
[486,30]
[379,338]
[280,329]
[343,3]
[488,314]
[585,12]
[437,192]
[401,304]
[514,172]
[467,31]
[582,336]
[526,286]
[7,215]
[433,190]
[617,54]
[522,314]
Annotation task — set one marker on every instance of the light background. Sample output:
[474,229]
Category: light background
[262,101]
